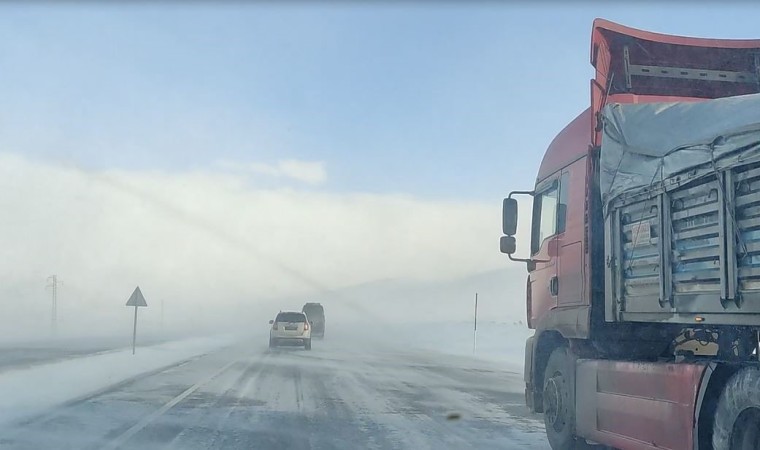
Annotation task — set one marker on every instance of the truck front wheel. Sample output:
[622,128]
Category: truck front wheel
[737,417]
[559,400]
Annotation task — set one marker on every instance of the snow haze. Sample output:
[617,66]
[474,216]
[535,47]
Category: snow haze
[211,245]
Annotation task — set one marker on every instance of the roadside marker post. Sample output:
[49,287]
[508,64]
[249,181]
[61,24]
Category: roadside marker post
[475,330]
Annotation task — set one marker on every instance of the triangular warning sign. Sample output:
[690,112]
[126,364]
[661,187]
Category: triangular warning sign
[136,299]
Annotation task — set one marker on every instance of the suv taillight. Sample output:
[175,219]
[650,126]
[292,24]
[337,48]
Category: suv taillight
[306,326]
[274,327]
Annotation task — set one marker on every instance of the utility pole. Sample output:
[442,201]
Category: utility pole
[52,284]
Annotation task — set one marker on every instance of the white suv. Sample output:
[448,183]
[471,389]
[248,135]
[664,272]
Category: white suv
[289,328]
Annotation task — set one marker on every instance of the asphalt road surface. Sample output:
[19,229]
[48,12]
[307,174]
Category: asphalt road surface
[337,396]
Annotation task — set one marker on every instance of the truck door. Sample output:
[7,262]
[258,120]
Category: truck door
[544,285]
[570,232]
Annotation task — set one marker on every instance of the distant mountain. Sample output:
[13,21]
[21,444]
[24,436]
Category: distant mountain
[501,297]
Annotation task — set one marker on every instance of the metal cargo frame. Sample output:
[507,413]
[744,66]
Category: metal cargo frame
[686,250]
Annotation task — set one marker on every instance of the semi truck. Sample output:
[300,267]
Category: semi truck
[643,282]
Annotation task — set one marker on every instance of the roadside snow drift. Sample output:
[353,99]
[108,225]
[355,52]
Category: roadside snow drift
[31,391]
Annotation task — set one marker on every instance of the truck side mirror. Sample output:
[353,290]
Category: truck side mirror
[509,217]
[508,245]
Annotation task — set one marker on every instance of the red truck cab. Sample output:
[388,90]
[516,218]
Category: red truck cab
[624,386]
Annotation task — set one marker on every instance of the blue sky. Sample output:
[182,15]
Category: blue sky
[448,101]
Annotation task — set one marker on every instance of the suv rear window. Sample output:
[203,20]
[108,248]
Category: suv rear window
[290,317]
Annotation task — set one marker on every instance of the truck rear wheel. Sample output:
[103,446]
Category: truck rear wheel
[559,400]
[737,417]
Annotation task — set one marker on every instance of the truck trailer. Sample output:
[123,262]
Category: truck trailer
[643,280]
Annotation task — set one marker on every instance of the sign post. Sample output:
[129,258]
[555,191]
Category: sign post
[137,300]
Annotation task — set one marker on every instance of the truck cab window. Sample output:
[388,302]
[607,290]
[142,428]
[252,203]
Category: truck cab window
[544,218]
[562,207]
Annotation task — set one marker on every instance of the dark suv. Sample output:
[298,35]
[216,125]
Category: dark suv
[316,314]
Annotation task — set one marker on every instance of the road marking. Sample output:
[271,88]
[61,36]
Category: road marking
[124,437]
[251,379]
[232,386]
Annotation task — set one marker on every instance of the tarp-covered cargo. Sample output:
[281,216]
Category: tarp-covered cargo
[643,144]
[680,184]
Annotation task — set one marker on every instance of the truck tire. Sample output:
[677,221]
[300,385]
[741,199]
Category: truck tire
[307,344]
[272,343]
[559,400]
[737,417]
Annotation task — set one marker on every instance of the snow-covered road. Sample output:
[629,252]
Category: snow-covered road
[339,395]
